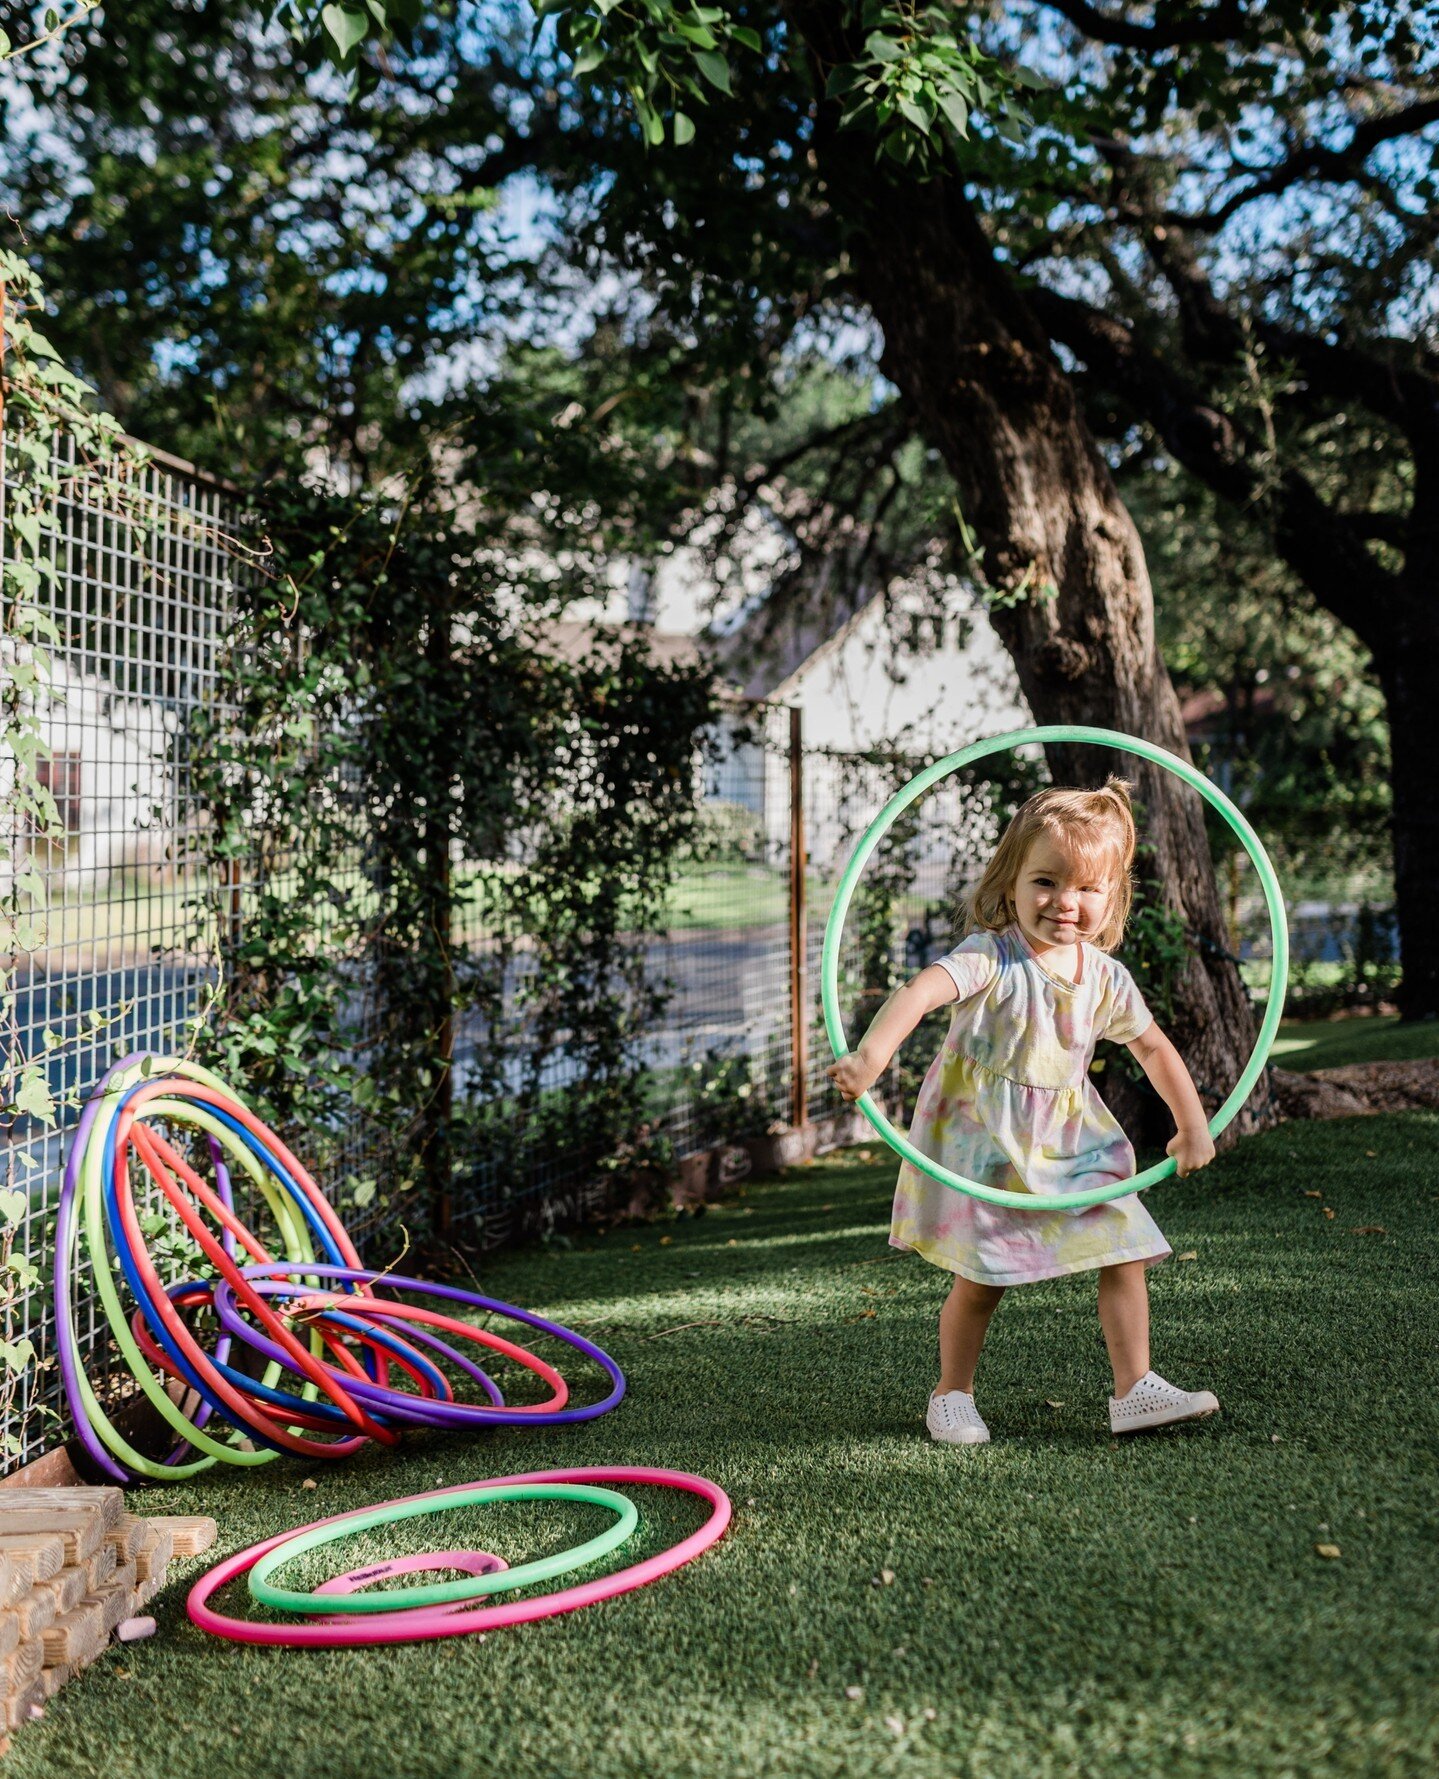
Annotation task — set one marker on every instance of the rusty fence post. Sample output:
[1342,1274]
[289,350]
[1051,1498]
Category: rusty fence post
[798,934]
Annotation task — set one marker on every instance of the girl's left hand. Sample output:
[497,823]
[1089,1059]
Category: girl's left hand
[1191,1149]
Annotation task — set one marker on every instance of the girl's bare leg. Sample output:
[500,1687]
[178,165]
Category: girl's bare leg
[1124,1317]
[963,1323]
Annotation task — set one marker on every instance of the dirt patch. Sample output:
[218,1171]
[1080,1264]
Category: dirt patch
[1358,1088]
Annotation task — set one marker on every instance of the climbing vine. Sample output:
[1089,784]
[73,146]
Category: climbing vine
[41,403]
[433,850]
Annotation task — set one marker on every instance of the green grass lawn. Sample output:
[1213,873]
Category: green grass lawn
[1061,1603]
[1330,1043]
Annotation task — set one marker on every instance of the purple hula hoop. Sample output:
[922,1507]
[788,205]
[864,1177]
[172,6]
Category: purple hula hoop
[433,1414]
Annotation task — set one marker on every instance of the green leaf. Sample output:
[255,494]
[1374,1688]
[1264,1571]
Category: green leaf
[345,27]
[590,57]
[700,35]
[684,129]
[13,1206]
[915,115]
[882,48]
[715,69]
[955,109]
[35,1098]
[749,38]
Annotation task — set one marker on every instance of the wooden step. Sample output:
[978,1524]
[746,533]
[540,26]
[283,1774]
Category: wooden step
[35,1612]
[69,1587]
[116,1597]
[82,1529]
[152,1559]
[11,1584]
[193,1533]
[108,1503]
[38,1554]
[98,1569]
[127,1536]
[18,1705]
[21,1666]
[52,1679]
[76,1637]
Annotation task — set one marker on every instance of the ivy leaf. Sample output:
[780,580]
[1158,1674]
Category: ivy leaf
[13,1206]
[345,28]
[35,1098]
[15,1355]
[715,69]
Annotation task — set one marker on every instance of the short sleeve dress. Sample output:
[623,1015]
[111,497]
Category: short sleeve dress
[1009,1102]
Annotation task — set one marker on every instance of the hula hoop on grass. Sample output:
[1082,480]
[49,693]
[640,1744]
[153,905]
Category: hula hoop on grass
[359,1365]
[470,1562]
[435,1622]
[875,832]
[445,1593]
[271,1279]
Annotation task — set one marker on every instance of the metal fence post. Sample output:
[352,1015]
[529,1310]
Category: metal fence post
[439,1144]
[798,921]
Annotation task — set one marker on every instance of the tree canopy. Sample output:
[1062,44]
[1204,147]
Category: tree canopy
[597,252]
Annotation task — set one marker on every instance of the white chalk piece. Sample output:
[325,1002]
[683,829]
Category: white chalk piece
[131,1630]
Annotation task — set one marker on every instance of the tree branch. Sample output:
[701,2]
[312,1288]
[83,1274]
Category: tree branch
[1322,546]
[1314,160]
[1216,25]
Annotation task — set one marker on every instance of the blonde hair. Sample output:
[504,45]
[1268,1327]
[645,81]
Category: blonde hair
[1094,827]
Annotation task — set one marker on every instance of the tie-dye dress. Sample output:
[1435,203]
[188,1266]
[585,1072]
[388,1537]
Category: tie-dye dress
[1009,1102]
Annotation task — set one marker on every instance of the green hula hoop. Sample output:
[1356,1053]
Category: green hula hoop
[445,1593]
[917,786]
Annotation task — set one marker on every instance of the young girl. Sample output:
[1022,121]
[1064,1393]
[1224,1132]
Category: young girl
[1008,1102]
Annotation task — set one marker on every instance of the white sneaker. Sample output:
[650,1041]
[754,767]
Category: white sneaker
[954,1420]
[1154,1403]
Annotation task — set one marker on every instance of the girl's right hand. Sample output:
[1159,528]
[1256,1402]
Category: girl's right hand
[853,1074]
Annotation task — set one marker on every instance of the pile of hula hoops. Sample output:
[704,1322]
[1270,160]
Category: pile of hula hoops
[292,1345]
[286,1346]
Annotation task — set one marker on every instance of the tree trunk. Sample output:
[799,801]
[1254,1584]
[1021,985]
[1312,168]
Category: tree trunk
[1406,665]
[1073,600]
[1392,614]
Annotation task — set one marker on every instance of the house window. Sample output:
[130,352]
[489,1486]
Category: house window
[60,775]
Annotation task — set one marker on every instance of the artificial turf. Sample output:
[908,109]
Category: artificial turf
[1053,1603]
[1331,1043]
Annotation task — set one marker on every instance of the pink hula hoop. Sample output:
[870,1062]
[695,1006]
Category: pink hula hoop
[427,1624]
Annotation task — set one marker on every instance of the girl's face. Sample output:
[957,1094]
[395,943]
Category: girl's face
[1060,899]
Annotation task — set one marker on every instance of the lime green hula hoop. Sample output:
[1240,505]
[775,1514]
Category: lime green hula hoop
[445,1593]
[917,786]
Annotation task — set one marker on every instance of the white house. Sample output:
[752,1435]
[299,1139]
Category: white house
[890,675]
[105,760]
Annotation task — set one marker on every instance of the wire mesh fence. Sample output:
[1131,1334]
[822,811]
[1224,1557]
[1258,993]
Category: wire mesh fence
[137,910]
